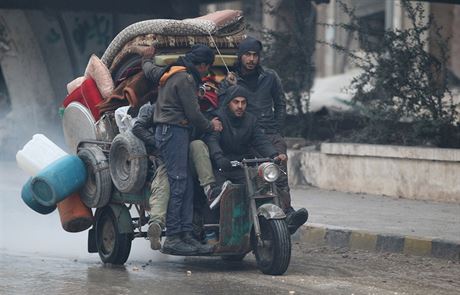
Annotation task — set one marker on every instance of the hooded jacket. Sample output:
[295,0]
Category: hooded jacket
[267,100]
[144,127]
[239,135]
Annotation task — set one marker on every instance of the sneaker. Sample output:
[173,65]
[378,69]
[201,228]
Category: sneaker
[212,191]
[154,234]
[219,196]
[174,245]
[188,238]
[295,219]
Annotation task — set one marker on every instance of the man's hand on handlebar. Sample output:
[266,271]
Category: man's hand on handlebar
[281,158]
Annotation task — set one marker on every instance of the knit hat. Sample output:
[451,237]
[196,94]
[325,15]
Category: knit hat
[249,44]
[200,54]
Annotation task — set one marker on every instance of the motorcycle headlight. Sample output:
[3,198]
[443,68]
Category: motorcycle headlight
[269,171]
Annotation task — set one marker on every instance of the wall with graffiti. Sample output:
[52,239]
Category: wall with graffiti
[40,52]
[67,40]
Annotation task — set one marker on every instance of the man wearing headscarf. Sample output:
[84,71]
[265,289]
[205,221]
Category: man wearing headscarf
[176,112]
[268,102]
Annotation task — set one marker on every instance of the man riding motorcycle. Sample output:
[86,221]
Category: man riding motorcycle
[239,137]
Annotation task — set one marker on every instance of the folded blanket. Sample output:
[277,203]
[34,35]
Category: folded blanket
[222,19]
[220,23]
[134,91]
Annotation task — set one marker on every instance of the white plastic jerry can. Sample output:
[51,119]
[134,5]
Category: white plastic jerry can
[38,153]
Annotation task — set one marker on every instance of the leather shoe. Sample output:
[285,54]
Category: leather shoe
[295,219]
[174,245]
[188,238]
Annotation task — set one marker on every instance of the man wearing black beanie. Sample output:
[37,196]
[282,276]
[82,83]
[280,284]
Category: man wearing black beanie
[176,112]
[268,102]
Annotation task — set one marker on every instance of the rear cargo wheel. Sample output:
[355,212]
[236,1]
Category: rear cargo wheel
[128,163]
[112,245]
[98,187]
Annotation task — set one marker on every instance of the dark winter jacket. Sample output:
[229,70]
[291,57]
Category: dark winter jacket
[144,127]
[267,102]
[238,137]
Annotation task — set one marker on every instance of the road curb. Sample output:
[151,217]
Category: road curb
[332,236]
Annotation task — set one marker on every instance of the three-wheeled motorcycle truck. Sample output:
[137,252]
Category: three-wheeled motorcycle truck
[250,215]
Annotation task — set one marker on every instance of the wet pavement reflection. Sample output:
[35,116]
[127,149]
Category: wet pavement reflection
[38,257]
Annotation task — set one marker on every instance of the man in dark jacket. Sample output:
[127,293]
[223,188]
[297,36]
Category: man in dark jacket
[268,102]
[176,111]
[144,129]
[159,189]
[239,137]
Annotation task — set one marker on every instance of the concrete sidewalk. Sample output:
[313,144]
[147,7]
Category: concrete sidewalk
[379,223]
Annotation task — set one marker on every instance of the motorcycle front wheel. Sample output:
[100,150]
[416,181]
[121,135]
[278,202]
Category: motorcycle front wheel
[273,253]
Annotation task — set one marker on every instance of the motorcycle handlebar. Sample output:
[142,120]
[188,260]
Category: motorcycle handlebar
[250,161]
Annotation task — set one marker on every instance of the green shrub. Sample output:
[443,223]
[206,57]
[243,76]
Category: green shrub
[402,92]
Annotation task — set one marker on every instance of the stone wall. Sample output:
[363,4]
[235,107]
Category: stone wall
[407,172]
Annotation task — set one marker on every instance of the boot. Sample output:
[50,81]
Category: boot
[154,234]
[295,219]
[174,245]
[188,238]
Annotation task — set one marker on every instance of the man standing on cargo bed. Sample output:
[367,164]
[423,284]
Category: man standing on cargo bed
[176,111]
[268,103]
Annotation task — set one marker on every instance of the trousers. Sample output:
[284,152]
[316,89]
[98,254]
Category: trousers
[159,189]
[173,143]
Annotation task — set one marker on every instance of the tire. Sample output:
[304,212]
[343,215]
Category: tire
[274,255]
[113,247]
[128,163]
[233,257]
[98,186]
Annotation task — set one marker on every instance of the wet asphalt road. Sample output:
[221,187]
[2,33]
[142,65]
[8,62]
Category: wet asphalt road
[312,271]
[38,257]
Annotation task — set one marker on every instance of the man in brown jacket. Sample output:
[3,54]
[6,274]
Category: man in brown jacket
[176,112]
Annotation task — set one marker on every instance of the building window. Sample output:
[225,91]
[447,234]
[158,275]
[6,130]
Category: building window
[373,26]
